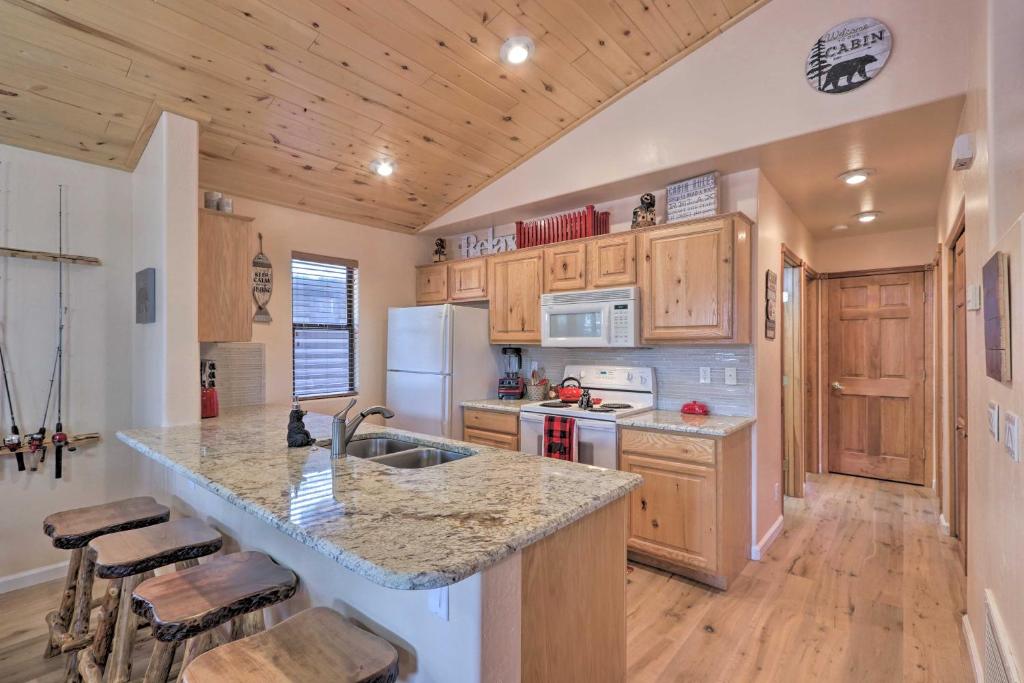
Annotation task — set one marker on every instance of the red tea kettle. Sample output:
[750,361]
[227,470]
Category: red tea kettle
[568,393]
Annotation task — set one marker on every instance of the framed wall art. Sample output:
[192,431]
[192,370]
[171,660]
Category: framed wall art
[995,279]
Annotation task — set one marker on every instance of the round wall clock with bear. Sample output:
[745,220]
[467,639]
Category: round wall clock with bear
[848,55]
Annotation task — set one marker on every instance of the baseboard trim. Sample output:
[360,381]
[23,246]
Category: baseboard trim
[944,524]
[761,547]
[972,649]
[32,577]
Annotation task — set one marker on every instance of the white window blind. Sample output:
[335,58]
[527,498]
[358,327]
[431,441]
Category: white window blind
[325,323]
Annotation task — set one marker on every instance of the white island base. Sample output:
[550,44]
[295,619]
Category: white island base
[552,611]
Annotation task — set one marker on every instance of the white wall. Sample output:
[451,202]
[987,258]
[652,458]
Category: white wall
[97,379]
[743,89]
[912,247]
[165,354]
[386,278]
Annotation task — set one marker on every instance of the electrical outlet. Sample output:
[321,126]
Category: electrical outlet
[705,375]
[1011,435]
[437,601]
[993,420]
[973,297]
[730,375]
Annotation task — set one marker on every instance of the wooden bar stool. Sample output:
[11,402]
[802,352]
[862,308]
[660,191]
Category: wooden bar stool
[315,645]
[72,530]
[125,558]
[194,601]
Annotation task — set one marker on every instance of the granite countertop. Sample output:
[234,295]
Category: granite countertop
[674,421]
[498,405]
[404,529]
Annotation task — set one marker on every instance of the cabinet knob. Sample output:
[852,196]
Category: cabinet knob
[643,503]
[654,523]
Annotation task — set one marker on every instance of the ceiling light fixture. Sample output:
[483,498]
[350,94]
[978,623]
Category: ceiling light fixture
[383,167]
[516,50]
[856,176]
[840,227]
[868,216]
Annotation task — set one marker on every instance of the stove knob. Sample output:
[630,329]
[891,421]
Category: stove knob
[629,376]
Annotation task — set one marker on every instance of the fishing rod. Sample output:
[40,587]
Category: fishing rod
[12,441]
[59,438]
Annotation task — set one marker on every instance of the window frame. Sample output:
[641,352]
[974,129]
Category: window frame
[352,313]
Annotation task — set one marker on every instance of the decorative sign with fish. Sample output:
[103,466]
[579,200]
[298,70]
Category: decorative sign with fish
[848,55]
[262,284]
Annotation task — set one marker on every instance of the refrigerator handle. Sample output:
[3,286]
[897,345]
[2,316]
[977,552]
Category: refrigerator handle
[447,341]
[446,411]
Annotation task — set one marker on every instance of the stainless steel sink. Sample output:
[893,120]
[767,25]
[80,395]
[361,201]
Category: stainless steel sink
[419,458]
[371,448]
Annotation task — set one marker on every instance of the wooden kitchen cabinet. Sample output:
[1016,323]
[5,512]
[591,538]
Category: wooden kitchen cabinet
[432,283]
[514,280]
[467,280]
[691,516]
[225,260]
[565,267]
[491,428]
[611,261]
[695,282]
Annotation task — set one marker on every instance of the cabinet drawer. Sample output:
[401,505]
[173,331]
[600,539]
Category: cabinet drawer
[671,446]
[482,438]
[491,421]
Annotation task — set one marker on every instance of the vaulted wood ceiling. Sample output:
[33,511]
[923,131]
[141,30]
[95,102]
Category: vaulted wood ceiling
[296,98]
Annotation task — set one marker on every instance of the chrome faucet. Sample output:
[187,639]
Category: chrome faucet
[342,430]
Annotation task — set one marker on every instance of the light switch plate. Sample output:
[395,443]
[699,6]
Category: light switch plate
[705,375]
[973,297]
[730,375]
[993,420]
[1011,435]
[437,600]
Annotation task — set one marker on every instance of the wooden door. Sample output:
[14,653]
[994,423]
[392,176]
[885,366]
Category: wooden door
[565,267]
[672,516]
[687,282]
[876,357]
[959,445]
[611,261]
[467,280]
[225,262]
[515,283]
[432,284]
[811,317]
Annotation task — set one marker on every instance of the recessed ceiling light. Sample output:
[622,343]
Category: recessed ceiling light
[516,50]
[383,167]
[857,176]
[868,216]
[840,227]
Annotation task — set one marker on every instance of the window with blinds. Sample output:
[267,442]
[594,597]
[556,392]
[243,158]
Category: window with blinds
[325,323]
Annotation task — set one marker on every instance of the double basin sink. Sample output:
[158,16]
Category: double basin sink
[404,455]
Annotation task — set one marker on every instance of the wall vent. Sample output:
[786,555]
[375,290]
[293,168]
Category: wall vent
[1000,664]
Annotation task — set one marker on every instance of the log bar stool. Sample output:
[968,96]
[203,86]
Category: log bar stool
[125,558]
[313,646]
[72,530]
[193,601]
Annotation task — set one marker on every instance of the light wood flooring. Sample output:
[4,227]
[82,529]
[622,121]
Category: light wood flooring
[860,586]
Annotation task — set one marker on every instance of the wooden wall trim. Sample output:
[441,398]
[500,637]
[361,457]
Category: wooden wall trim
[924,268]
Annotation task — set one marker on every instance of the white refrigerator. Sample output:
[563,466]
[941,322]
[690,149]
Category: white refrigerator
[438,357]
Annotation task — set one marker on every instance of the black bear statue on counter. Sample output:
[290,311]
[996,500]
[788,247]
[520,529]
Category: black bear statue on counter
[298,435]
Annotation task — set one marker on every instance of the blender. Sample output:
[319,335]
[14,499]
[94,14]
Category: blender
[512,386]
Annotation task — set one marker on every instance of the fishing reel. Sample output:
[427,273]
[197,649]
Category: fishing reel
[12,441]
[36,441]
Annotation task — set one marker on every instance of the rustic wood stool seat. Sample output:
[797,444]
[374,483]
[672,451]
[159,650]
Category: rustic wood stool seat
[124,557]
[315,645]
[72,530]
[193,601]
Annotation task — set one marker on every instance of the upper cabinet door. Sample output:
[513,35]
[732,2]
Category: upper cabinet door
[225,297]
[687,282]
[432,284]
[565,267]
[611,261]
[515,283]
[467,280]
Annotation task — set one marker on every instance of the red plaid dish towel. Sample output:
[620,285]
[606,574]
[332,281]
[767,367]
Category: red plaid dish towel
[560,437]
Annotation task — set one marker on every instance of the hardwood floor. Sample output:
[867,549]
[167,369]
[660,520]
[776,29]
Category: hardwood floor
[860,586]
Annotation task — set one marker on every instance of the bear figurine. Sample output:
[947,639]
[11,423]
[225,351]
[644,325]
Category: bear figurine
[645,215]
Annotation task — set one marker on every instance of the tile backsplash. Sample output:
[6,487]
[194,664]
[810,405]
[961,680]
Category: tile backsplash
[677,372]
[241,372]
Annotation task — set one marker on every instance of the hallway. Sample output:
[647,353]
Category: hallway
[860,586]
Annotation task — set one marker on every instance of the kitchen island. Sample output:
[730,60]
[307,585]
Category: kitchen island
[524,556]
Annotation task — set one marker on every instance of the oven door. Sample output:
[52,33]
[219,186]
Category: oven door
[597,440]
[576,325]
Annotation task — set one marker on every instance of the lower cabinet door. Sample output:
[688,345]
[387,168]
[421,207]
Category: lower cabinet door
[672,516]
[507,441]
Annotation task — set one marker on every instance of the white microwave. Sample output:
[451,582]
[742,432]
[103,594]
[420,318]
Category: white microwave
[599,318]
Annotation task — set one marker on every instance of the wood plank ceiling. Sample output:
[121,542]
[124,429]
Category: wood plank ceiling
[297,98]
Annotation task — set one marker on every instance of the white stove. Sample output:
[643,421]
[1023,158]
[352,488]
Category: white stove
[616,391]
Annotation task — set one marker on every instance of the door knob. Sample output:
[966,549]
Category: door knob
[837,386]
